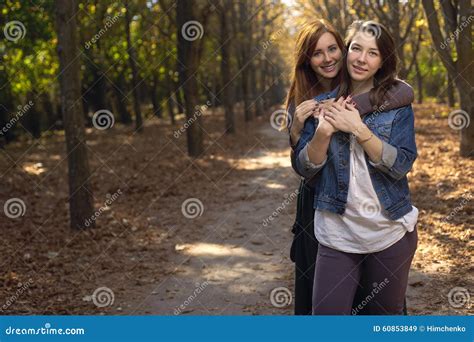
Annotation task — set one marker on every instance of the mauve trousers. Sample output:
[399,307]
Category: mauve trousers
[338,276]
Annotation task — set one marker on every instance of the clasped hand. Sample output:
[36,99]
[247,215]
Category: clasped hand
[340,115]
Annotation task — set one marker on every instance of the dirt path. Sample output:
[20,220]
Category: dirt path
[228,260]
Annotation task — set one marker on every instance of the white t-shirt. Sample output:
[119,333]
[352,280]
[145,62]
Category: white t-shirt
[363,228]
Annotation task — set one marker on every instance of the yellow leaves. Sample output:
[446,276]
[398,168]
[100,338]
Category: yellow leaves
[5,11]
[92,9]
[420,23]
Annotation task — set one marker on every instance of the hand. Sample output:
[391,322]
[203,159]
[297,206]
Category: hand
[325,127]
[303,111]
[344,116]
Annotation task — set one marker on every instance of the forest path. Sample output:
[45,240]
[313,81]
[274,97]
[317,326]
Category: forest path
[227,261]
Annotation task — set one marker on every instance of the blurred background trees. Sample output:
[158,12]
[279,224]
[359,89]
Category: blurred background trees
[142,60]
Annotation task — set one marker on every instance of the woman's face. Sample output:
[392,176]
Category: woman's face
[363,57]
[326,57]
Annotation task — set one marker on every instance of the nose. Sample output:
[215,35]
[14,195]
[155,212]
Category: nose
[326,57]
[362,58]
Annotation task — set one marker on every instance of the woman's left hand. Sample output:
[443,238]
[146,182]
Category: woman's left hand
[343,115]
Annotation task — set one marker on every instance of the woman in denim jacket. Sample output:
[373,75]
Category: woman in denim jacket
[364,220]
[318,62]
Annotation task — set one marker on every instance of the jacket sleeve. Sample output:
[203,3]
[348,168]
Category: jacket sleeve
[300,160]
[401,94]
[399,153]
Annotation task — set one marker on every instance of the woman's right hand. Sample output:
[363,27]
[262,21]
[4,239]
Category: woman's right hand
[303,111]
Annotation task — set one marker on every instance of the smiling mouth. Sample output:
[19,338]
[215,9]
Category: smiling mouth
[329,68]
[358,68]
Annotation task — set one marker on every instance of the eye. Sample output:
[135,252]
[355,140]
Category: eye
[316,54]
[373,53]
[354,48]
[332,49]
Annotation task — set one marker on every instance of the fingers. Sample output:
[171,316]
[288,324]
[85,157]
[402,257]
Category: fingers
[306,104]
[317,113]
[308,110]
[331,120]
[351,106]
[335,109]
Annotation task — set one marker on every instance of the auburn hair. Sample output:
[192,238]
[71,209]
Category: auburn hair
[305,83]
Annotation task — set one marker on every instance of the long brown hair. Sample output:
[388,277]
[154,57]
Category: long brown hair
[304,81]
[384,78]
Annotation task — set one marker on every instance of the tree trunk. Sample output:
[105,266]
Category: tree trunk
[169,98]
[6,101]
[188,55]
[120,106]
[154,96]
[244,54]
[131,59]
[461,70]
[80,193]
[226,66]
[31,120]
[419,82]
[450,90]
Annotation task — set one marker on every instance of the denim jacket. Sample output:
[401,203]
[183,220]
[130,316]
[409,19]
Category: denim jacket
[389,176]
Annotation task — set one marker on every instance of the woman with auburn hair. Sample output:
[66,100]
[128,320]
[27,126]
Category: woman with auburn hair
[318,62]
[363,219]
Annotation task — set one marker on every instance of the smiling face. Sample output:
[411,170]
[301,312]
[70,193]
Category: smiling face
[326,57]
[363,58]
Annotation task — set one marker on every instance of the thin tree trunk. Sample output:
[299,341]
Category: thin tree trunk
[80,192]
[132,58]
[419,82]
[227,95]
[121,107]
[450,90]
[188,55]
